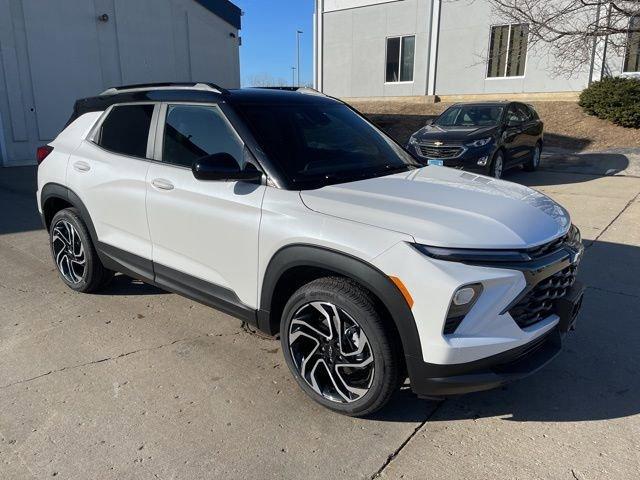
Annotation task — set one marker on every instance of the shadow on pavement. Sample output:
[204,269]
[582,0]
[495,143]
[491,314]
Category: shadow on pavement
[19,212]
[124,285]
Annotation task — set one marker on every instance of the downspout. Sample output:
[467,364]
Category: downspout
[595,46]
[318,30]
[606,42]
[433,46]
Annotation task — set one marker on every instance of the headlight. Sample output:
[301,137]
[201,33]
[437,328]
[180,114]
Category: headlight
[481,142]
[413,141]
[471,255]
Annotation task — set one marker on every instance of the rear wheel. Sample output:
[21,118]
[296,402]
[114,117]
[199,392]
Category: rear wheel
[534,162]
[73,252]
[339,348]
[497,165]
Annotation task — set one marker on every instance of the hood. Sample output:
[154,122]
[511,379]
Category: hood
[445,207]
[460,134]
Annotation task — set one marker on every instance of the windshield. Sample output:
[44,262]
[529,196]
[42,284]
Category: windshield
[470,116]
[321,144]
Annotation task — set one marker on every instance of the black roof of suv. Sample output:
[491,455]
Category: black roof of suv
[196,92]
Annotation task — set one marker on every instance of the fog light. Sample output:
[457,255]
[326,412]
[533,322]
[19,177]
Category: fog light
[462,302]
[463,296]
[482,161]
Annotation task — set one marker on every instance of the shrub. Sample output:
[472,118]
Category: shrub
[614,98]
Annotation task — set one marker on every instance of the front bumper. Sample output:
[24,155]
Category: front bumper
[489,348]
[429,380]
[468,160]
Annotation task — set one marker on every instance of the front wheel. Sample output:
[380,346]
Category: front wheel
[338,347]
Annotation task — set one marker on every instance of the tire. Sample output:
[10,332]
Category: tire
[497,165]
[533,164]
[74,254]
[374,373]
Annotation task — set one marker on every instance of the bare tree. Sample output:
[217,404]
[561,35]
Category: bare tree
[265,80]
[573,31]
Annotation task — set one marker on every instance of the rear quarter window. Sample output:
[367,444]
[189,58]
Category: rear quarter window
[126,130]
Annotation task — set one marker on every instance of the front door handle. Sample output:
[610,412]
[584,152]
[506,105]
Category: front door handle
[162,184]
[81,166]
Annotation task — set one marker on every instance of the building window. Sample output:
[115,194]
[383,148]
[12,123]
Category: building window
[400,54]
[632,56]
[508,50]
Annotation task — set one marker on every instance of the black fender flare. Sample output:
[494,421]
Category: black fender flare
[303,255]
[55,190]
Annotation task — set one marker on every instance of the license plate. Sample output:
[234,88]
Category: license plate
[432,161]
[569,306]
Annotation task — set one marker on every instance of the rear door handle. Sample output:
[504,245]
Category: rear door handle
[81,166]
[162,184]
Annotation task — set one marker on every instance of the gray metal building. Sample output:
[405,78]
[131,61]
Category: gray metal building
[444,48]
[53,52]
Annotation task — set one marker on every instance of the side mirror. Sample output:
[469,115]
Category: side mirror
[222,166]
[429,122]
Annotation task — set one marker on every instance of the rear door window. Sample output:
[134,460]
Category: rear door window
[516,114]
[126,130]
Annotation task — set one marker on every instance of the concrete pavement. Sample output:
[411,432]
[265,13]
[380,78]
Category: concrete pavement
[137,383]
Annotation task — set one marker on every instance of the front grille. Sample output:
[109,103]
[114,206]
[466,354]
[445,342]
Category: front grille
[539,302]
[440,151]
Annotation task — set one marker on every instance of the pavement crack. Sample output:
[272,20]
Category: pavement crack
[101,360]
[606,290]
[397,451]
[614,219]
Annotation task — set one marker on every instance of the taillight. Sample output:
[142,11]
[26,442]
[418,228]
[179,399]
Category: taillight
[43,152]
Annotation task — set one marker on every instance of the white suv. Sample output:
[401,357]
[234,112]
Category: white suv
[289,210]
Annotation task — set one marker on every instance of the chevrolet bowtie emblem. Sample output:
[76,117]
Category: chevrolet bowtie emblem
[438,143]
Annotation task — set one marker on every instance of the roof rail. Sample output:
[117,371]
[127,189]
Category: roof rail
[212,87]
[307,90]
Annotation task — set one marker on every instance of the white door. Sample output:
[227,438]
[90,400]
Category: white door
[109,176]
[204,229]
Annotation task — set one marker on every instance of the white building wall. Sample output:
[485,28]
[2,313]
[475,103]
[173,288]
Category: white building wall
[354,46]
[55,52]
[465,28]
[351,51]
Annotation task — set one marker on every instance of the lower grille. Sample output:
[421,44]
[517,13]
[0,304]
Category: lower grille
[444,151]
[539,302]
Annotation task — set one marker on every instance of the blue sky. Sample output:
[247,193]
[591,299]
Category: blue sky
[269,39]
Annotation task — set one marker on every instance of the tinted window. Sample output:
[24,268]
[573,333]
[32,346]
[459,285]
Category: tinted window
[319,144]
[515,114]
[126,130]
[525,112]
[470,115]
[192,132]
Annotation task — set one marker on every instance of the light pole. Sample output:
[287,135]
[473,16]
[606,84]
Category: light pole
[293,76]
[298,33]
